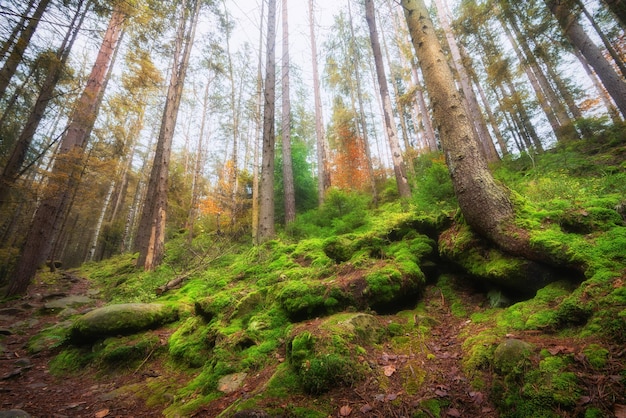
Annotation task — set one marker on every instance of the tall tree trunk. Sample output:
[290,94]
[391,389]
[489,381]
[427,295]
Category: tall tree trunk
[478,121]
[392,134]
[18,154]
[614,84]
[290,195]
[8,43]
[551,105]
[259,132]
[266,190]
[362,117]
[323,169]
[68,165]
[602,93]
[17,54]
[484,203]
[151,235]
[197,169]
[618,7]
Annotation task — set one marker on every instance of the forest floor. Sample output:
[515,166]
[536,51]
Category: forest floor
[26,382]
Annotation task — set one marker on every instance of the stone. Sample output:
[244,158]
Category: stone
[67,302]
[511,356]
[14,413]
[122,319]
[231,382]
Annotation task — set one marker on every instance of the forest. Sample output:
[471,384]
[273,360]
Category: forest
[359,208]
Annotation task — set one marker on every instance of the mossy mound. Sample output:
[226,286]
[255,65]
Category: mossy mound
[126,318]
[327,356]
[490,266]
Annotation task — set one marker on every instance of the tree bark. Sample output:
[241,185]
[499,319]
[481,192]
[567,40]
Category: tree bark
[68,165]
[266,190]
[289,191]
[478,120]
[151,235]
[618,7]
[392,134]
[323,169]
[614,84]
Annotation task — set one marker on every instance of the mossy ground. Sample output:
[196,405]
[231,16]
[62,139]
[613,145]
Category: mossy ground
[261,310]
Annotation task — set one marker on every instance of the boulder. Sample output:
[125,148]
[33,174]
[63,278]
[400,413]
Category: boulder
[122,319]
[512,356]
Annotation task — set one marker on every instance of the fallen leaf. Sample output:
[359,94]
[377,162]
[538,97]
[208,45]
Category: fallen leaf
[391,396]
[380,397]
[389,370]
[478,397]
[619,411]
[366,408]
[453,412]
[345,411]
[441,393]
[102,413]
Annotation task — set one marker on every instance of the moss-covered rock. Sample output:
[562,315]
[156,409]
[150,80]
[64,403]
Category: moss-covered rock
[512,356]
[119,319]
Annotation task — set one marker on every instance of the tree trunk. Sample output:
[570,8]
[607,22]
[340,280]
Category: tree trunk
[6,45]
[614,84]
[602,93]
[290,196]
[259,133]
[618,7]
[68,165]
[392,134]
[484,203]
[18,154]
[362,117]
[17,54]
[266,190]
[151,235]
[323,169]
[478,121]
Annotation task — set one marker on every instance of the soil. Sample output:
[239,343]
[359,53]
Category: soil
[27,384]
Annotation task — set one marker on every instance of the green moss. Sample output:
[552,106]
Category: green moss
[70,361]
[322,364]
[126,351]
[301,299]
[339,249]
[596,355]
[191,342]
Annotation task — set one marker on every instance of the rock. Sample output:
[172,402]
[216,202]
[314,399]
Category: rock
[364,326]
[127,318]
[14,413]
[512,356]
[4,331]
[251,413]
[66,302]
[231,382]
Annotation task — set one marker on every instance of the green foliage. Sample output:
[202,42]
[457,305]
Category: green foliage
[596,355]
[433,191]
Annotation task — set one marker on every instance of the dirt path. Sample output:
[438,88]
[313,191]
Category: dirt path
[25,379]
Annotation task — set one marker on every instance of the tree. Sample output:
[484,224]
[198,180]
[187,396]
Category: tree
[618,7]
[11,170]
[485,204]
[151,236]
[266,190]
[575,33]
[392,135]
[323,171]
[68,165]
[478,121]
[17,53]
[290,198]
